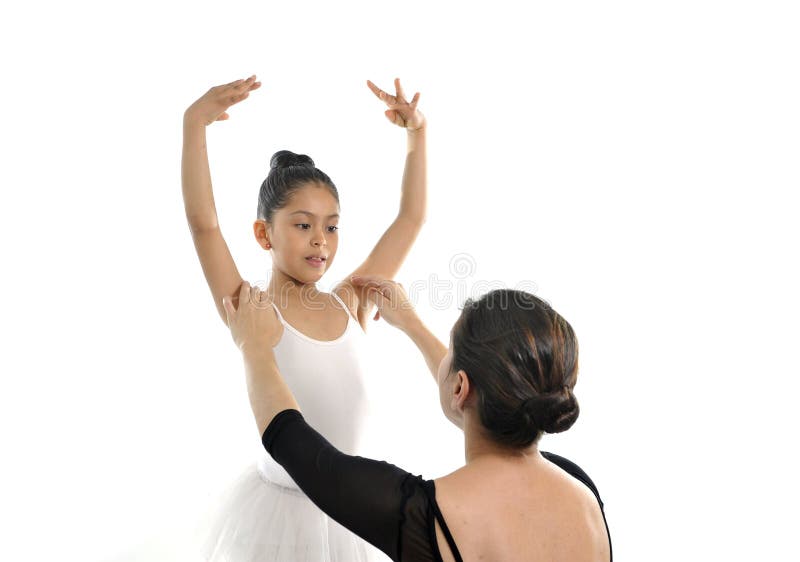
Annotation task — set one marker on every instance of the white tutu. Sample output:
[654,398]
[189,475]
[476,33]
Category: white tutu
[263,516]
[261,521]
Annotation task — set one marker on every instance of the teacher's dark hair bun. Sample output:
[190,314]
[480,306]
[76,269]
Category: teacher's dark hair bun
[288,172]
[521,357]
[551,412]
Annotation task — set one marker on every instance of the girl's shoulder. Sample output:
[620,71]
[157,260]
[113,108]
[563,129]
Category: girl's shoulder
[349,296]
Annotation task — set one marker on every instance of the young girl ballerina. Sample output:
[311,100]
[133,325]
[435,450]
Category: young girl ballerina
[265,516]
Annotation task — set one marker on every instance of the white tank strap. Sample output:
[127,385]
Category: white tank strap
[344,306]
[278,312]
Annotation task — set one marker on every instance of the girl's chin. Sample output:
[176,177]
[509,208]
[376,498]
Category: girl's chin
[310,276]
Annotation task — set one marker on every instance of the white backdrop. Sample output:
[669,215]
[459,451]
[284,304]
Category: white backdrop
[635,162]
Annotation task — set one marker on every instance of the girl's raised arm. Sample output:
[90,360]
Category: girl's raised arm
[392,248]
[220,271]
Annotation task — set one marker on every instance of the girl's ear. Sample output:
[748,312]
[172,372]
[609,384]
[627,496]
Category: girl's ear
[261,232]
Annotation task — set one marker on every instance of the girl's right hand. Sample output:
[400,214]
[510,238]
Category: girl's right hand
[211,106]
[390,298]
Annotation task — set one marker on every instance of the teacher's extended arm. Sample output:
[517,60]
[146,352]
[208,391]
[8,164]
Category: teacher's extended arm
[255,329]
[394,306]
[367,496]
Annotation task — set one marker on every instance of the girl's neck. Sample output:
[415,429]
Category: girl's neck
[283,288]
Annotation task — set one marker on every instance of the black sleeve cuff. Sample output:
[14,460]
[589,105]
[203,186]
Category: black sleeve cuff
[275,426]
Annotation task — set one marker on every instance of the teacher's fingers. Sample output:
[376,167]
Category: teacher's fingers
[388,287]
[385,288]
[377,297]
[259,298]
[370,281]
[244,294]
[229,310]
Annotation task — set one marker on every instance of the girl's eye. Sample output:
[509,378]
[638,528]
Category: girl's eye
[306,226]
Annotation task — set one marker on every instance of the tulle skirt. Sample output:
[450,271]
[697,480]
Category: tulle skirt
[258,520]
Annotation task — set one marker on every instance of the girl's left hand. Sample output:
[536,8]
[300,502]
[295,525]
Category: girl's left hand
[255,325]
[401,112]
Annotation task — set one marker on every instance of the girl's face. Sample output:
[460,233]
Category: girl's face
[303,234]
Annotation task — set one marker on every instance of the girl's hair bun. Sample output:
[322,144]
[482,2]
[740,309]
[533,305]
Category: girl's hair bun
[288,173]
[552,412]
[287,159]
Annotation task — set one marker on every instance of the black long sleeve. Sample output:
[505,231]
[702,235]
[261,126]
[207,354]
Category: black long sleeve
[369,497]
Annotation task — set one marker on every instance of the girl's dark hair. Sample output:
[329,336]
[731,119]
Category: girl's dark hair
[288,172]
[521,357]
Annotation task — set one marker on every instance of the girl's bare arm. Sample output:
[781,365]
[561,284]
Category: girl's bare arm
[393,247]
[218,266]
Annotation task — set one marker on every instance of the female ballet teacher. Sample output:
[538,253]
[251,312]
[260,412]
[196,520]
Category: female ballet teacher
[506,378]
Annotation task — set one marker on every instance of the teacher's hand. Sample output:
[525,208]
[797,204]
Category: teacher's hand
[255,325]
[390,298]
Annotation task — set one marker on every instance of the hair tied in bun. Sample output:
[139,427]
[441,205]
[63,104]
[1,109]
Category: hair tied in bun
[288,159]
[551,412]
[528,408]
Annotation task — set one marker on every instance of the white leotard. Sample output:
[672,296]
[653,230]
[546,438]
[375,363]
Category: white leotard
[327,380]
